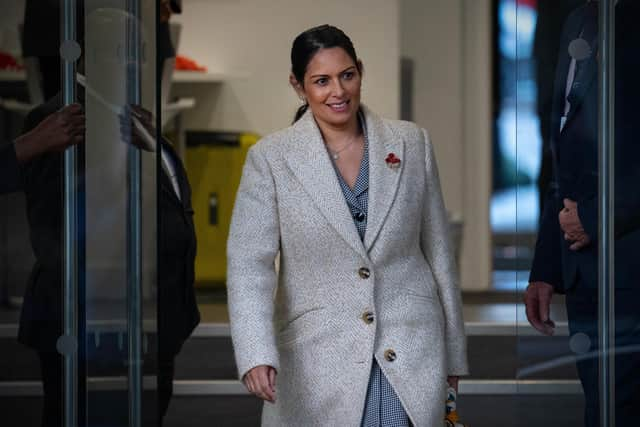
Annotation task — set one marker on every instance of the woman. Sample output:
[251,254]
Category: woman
[362,323]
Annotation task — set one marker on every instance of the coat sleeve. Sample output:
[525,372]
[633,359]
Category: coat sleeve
[12,174]
[438,251]
[547,259]
[251,276]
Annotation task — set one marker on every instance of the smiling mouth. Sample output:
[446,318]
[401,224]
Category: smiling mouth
[339,106]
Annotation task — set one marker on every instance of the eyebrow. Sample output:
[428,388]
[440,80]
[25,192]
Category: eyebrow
[326,75]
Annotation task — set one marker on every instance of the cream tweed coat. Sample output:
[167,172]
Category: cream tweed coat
[308,319]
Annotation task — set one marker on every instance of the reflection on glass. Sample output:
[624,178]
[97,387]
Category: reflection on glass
[517,146]
[110,344]
[566,255]
[96,125]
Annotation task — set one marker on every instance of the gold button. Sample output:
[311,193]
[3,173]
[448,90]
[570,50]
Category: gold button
[364,273]
[368,317]
[390,355]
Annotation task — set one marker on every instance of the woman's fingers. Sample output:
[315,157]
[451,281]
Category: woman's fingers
[263,395]
[272,379]
[260,381]
[264,384]
[248,382]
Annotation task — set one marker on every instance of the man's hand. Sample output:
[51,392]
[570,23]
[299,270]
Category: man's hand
[572,227]
[261,381]
[58,131]
[537,300]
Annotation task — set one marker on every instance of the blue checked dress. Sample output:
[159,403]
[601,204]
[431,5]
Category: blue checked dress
[382,407]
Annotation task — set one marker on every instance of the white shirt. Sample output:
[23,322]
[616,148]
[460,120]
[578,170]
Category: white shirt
[170,170]
[571,75]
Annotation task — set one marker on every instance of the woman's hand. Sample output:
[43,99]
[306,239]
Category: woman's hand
[261,381]
[453,382]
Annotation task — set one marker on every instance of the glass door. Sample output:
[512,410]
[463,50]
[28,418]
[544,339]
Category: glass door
[578,328]
[546,350]
[78,252]
[120,220]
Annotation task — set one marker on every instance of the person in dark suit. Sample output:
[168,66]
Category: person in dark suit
[566,255]
[163,36]
[551,17]
[41,317]
[57,132]
[178,313]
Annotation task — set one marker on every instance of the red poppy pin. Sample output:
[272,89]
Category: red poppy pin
[392,161]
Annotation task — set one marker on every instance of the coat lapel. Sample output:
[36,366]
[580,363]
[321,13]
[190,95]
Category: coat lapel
[309,161]
[184,201]
[586,77]
[383,180]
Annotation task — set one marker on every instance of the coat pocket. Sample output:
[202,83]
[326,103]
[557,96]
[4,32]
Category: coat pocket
[421,294]
[303,325]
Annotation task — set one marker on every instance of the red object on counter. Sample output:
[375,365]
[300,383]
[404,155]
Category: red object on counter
[187,64]
[8,62]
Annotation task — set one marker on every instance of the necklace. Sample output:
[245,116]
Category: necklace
[335,155]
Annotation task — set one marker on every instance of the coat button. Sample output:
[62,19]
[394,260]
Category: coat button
[368,317]
[364,273]
[390,355]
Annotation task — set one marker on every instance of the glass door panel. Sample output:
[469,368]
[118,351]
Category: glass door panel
[579,353]
[547,347]
[121,220]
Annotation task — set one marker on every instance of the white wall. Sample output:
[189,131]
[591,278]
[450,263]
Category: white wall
[12,12]
[450,43]
[448,39]
[254,37]
[431,35]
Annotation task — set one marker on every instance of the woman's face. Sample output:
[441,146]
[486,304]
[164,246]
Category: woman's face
[332,87]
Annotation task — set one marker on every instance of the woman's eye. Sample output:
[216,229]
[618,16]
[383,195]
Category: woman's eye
[321,82]
[348,75]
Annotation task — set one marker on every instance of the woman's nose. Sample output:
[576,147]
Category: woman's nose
[338,90]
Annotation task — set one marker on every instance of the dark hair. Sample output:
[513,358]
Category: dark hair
[311,41]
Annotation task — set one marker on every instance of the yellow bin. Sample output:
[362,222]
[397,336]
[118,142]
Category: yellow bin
[214,162]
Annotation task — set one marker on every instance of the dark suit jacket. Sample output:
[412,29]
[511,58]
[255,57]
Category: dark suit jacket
[41,318]
[552,15]
[575,155]
[10,177]
[177,309]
